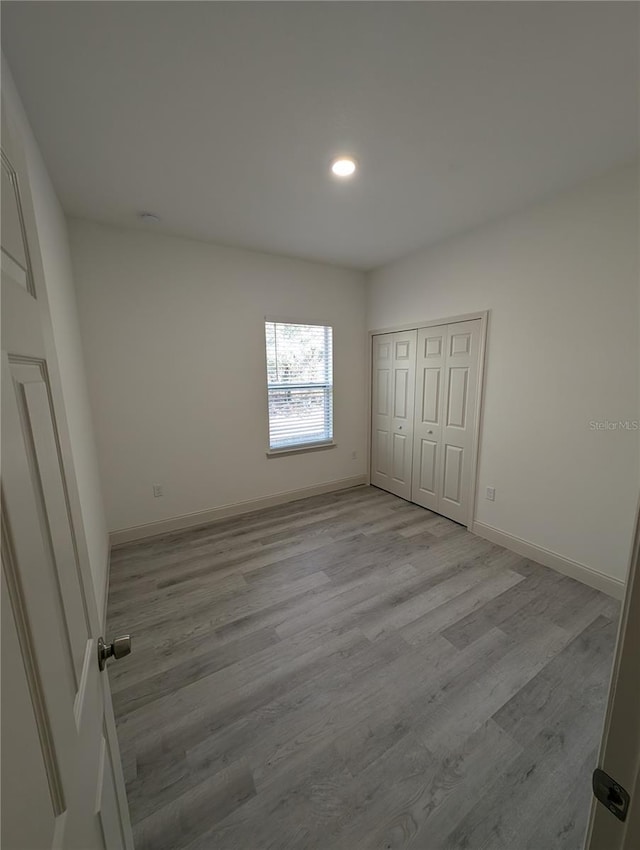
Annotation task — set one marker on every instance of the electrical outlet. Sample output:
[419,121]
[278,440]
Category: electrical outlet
[157,490]
[491,494]
[354,455]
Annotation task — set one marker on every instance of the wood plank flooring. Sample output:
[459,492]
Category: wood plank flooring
[351,672]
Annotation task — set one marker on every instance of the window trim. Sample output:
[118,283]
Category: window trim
[306,447]
[316,445]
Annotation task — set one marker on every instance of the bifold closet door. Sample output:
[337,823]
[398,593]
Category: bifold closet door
[427,441]
[448,359]
[392,406]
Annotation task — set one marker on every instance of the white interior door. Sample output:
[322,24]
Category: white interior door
[460,394]
[427,440]
[62,782]
[447,368]
[394,363]
[620,751]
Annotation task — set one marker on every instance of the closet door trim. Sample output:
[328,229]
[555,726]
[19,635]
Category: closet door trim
[430,323]
[483,315]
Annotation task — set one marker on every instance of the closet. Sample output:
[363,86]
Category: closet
[424,398]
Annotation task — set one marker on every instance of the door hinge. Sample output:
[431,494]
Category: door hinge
[610,794]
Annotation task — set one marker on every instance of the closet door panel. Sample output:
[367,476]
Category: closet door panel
[382,394]
[452,474]
[381,409]
[431,395]
[400,393]
[381,453]
[457,395]
[462,360]
[427,454]
[400,457]
[427,474]
[393,391]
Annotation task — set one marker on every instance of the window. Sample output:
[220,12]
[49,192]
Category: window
[300,384]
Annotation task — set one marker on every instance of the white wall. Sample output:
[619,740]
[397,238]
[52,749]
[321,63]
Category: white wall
[174,343]
[58,279]
[561,281]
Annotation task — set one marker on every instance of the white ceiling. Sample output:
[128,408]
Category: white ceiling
[222,118]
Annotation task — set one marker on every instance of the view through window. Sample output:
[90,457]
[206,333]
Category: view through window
[300,384]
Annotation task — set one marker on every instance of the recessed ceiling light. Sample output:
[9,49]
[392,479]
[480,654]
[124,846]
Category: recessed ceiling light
[344,166]
[149,218]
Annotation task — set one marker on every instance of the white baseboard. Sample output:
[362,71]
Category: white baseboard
[178,523]
[587,575]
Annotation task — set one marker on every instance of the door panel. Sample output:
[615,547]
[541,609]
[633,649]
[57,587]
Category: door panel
[67,688]
[428,467]
[433,342]
[458,432]
[400,393]
[452,477]
[399,457]
[37,415]
[381,409]
[16,262]
[431,396]
[446,396]
[381,453]
[459,342]
[457,392]
[427,459]
[393,411]
[53,692]
[382,395]
[35,783]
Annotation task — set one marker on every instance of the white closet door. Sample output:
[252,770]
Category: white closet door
[460,395]
[427,441]
[394,364]
[446,397]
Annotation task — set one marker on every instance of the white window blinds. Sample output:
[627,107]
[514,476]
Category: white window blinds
[300,384]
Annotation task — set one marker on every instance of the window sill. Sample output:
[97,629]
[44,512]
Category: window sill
[294,450]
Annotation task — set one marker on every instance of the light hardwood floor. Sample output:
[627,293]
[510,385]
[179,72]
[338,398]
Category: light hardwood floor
[351,671]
